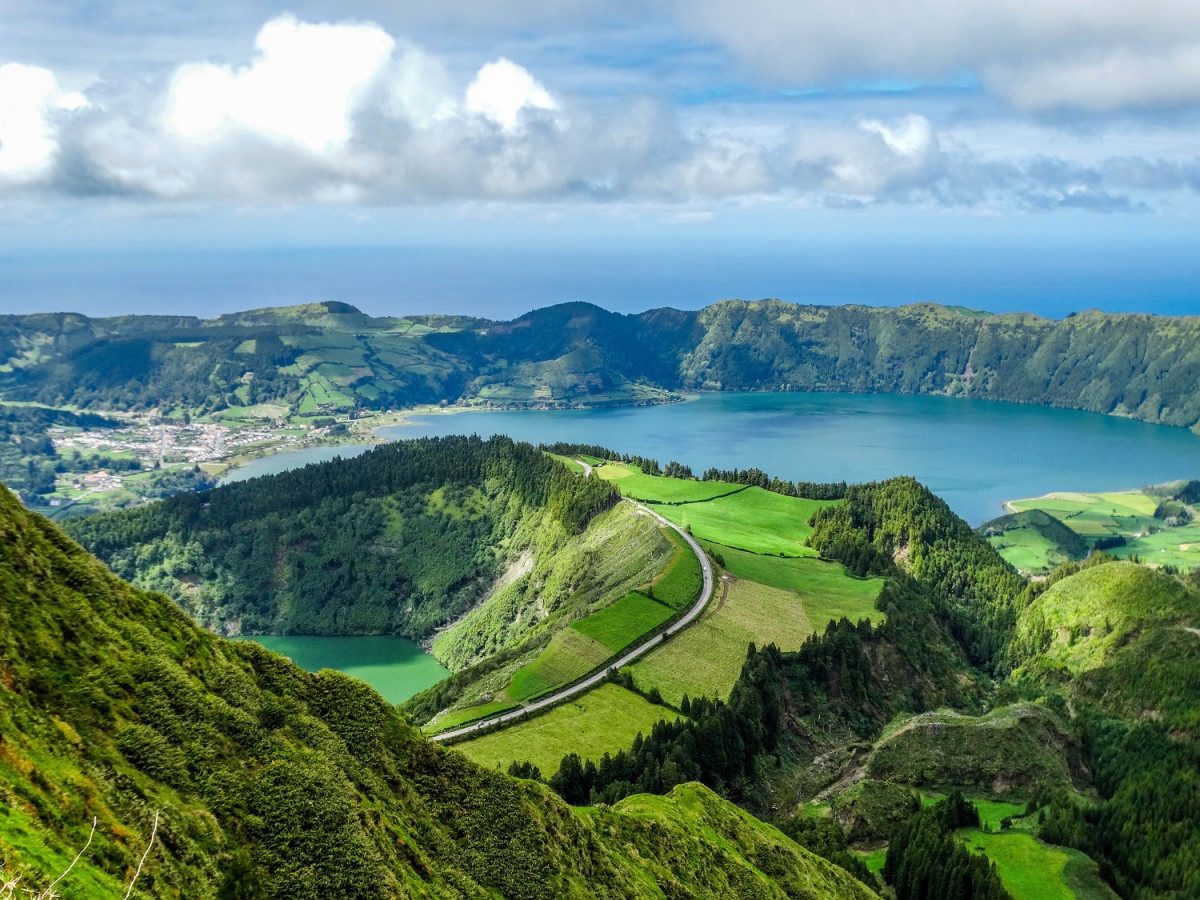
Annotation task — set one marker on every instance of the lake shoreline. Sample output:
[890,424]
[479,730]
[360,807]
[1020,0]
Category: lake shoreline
[976,454]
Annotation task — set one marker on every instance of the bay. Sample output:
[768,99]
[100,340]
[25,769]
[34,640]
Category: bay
[286,460]
[396,667]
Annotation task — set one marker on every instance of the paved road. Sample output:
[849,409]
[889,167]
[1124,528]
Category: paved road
[594,679]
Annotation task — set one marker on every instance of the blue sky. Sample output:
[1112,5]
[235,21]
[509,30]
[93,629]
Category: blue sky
[489,158]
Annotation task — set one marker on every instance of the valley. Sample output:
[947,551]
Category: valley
[225,390]
[860,645]
[838,657]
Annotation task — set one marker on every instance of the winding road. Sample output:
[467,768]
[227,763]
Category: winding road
[600,674]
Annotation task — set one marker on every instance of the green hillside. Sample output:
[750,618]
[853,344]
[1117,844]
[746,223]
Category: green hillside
[329,357]
[404,539]
[1034,541]
[1083,620]
[272,782]
[1156,524]
[1013,748]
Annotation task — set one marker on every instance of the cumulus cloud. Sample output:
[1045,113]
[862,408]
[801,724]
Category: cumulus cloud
[1038,54]
[304,85]
[347,113]
[29,100]
[502,91]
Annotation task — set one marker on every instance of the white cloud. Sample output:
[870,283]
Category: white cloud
[1038,54]
[305,84]
[1098,82]
[347,114]
[29,97]
[502,91]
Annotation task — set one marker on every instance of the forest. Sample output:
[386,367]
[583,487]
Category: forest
[400,540]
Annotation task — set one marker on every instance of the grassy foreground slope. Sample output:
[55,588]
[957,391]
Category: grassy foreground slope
[283,783]
[603,720]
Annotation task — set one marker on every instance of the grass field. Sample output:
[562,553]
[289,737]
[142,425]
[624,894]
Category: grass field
[1104,515]
[470,714]
[616,626]
[655,488]
[874,859]
[827,591]
[1032,870]
[754,519]
[1027,549]
[707,658]
[569,655]
[568,462]
[991,812]
[679,584]
[604,720]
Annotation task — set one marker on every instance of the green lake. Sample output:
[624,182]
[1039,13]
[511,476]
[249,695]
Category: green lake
[394,666]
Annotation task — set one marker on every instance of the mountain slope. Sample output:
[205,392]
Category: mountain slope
[273,782]
[326,357]
[403,539]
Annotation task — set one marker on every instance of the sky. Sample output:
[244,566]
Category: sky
[489,158]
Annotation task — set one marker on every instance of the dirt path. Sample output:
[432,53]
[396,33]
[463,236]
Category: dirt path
[727,581]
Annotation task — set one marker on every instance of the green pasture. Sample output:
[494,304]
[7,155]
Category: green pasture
[568,462]
[754,519]
[569,655]
[1027,549]
[706,658]
[874,859]
[825,589]
[1093,516]
[1171,546]
[631,482]
[457,717]
[1033,870]
[618,625]
[659,489]
[601,721]
[679,584]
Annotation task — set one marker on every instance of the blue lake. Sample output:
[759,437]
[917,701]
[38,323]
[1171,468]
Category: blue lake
[974,453]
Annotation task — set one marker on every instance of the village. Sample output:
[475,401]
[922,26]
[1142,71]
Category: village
[147,447]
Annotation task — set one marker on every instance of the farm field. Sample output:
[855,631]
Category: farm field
[679,584]
[1102,516]
[754,519]
[827,592]
[569,655]
[569,463]
[1171,547]
[1027,549]
[462,716]
[601,721]
[631,482]
[616,626]
[706,659]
